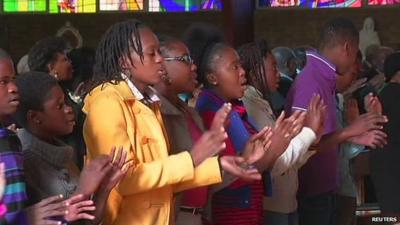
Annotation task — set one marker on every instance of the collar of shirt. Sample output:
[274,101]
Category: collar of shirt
[316,56]
[138,95]
[285,76]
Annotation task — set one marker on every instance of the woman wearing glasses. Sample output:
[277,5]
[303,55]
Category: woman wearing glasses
[184,127]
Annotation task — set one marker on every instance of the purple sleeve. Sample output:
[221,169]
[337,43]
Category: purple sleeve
[302,92]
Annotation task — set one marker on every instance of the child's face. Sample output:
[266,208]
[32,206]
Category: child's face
[182,73]
[230,75]
[9,99]
[150,71]
[57,118]
[271,72]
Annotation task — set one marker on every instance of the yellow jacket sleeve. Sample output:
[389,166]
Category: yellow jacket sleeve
[106,126]
[207,173]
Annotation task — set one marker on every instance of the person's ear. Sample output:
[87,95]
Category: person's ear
[34,117]
[212,79]
[347,48]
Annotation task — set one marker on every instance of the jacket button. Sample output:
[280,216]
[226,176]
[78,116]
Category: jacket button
[145,140]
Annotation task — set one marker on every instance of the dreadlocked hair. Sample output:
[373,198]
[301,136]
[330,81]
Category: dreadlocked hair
[118,42]
[252,57]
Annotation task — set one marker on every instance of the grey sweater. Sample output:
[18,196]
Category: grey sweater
[49,169]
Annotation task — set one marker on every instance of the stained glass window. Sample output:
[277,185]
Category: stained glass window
[72,6]
[312,3]
[184,5]
[24,5]
[383,2]
[121,5]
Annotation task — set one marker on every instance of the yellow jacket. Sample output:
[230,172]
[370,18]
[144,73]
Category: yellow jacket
[145,195]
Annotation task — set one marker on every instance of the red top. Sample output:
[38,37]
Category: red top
[225,215]
[196,197]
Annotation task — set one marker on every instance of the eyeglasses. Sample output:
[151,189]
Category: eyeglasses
[184,58]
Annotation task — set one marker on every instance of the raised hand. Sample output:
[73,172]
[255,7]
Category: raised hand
[351,112]
[237,167]
[78,208]
[120,167]
[364,123]
[257,145]
[220,118]
[41,213]
[283,132]
[209,144]
[213,141]
[297,120]
[315,114]
[372,139]
[372,104]
[93,174]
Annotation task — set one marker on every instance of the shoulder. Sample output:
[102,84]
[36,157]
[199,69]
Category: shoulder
[107,97]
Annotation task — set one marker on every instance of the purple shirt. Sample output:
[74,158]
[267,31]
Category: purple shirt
[319,175]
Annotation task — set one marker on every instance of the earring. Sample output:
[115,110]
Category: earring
[38,121]
[55,75]
[215,83]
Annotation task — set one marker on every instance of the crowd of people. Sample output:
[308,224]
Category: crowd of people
[150,129]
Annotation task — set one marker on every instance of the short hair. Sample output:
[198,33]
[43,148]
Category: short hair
[282,56]
[34,89]
[252,58]
[45,52]
[205,43]
[392,65]
[198,37]
[338,31]
[4,54]
[165,43]
[116,42]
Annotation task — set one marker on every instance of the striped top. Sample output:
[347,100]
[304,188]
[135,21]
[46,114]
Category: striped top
[15,192]
[241,202]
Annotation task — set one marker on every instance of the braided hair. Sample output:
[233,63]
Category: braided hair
[118,42]
[252,56]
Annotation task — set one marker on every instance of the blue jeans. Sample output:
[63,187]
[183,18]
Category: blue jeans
[275,218]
